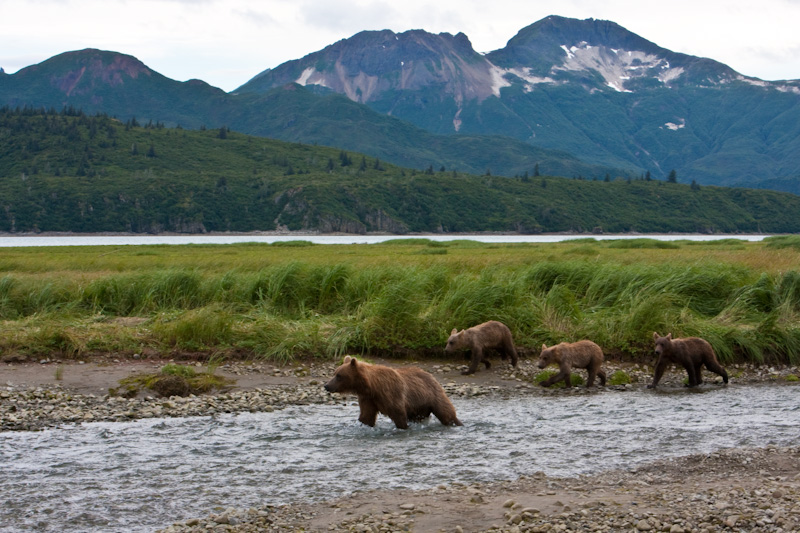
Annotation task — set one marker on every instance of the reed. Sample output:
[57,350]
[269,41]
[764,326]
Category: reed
[298,300]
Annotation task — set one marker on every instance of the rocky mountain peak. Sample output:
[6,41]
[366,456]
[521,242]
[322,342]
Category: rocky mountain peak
[83,70]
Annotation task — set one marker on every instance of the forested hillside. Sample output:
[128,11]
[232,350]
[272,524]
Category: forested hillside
[66,171]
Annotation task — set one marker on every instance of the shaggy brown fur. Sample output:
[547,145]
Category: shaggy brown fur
[492,335]
[691,353]
[403,394]
[581,354]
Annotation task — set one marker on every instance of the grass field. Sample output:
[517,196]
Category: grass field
[400,298]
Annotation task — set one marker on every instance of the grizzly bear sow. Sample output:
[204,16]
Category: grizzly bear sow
[403,394]
[581,354]
[692,353]
[492,335]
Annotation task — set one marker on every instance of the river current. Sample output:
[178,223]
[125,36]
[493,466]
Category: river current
[145,474]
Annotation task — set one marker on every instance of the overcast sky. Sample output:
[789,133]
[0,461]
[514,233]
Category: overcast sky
[227,42]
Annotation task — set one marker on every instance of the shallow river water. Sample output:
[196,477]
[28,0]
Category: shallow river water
[140,475]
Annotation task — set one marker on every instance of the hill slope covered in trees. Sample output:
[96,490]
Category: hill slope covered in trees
[66,171]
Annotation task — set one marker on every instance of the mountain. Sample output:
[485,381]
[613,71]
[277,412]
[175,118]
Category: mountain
[589,87]
[98,81]
[573,97]
[67,171]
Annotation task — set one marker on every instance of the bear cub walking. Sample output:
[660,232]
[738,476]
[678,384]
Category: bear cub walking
[492,335]
[403,394]
[691,353]
[581,354]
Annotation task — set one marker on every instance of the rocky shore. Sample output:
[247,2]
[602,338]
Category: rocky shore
[745,490]
[731,490]
[31,405]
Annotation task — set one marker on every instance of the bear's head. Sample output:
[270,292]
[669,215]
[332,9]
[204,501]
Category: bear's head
[346,376]
[548,356]
[456,342]
[662,343]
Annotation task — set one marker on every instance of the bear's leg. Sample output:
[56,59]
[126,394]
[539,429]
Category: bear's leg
[602,374]
[487,363]
[446,414]
[698,373]
[661,365]
[510,351]
[399,418]
[567,378]
[592,370]
[477,357]
[553,379]
[369,412]
[715,367]
[690,372]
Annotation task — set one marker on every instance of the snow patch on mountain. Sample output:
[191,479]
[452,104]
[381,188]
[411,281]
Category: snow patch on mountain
[675,127]
[528,78]
[617,66]
[498,79]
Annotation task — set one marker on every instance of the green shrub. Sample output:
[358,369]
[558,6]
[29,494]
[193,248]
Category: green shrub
[575,379]
[619,377]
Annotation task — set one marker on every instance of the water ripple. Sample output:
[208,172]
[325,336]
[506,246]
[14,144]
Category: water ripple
[136,476]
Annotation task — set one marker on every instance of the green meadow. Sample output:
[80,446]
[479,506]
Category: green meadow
[296,300]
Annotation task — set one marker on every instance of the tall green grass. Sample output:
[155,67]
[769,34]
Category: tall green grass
[293,308]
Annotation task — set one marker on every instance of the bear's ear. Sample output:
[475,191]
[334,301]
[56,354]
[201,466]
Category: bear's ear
[655,336]
[346,359]
[454,331]
[353,361]
[669,336]
[544,346]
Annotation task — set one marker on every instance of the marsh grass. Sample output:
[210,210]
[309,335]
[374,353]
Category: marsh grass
[324,301]
[643,243]
[196,329]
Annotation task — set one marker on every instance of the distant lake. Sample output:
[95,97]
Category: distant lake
[117,240]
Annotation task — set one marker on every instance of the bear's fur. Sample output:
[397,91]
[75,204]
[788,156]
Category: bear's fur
[403,394]
[691,353]
[581,354]
[492,335]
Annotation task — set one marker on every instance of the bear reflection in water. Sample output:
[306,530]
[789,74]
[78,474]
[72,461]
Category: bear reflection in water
[403,394]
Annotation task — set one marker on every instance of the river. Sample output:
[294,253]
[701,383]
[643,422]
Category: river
[7,240]
[140,475]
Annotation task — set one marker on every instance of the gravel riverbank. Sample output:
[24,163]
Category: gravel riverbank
[36,396]
[750,490]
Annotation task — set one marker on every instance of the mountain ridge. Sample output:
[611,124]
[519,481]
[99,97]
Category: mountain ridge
[590,88]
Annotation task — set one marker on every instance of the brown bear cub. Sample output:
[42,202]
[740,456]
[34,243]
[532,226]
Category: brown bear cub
[492,335]
[403,394]
[692,353]
[581,354]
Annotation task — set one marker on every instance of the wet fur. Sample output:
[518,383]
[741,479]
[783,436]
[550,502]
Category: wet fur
[403,394]
[492,335]
[581,354]
[691,353]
